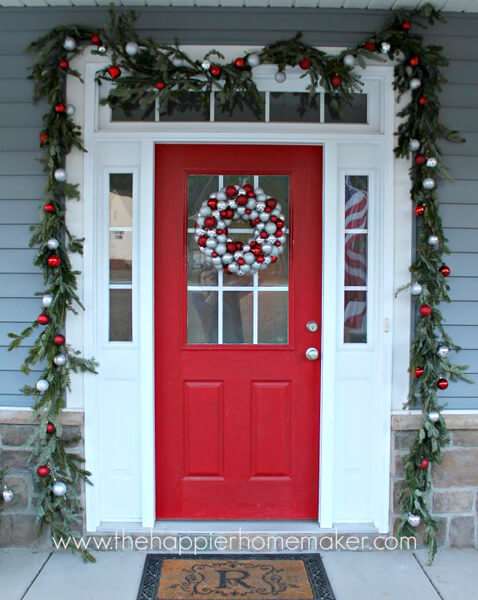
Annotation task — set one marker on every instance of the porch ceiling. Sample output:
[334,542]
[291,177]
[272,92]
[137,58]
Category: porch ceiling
[447,5]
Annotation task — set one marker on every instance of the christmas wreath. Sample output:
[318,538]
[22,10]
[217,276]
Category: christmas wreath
[262,212]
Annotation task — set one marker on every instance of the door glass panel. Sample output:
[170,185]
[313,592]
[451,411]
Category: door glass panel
[121,318]
[355,317]
[355,271]
[121,257]
[225,308]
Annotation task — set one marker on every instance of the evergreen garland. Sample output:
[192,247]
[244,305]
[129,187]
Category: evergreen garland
[142,70]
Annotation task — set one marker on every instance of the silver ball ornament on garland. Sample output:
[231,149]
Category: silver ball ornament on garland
[416,288]
[70,110]
[42,385]
[47,300]
[414,520]
[415,83]
[7,495]
[428,183]
[59,488]
[385,47]
[443,351]
[414,145]
[52,244]
[280,76]
[69,43]
[205,65]
[59,360]
[434,416]
[349,60]
[101,50]
[131,48]
[433,241]
[253,60]
[432,162]
[60,175]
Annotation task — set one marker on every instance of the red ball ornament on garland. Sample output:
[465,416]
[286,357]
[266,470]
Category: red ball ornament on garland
[305,63]
[43,137]
[423,100]
[442,383]
[420,210]
[212,203]
[370,45]
[50,428]
[49,208]
[420,159]
[160,85]
[54,261]
[336,81]
[60,108]
[215,71]
[425,310]
[240,63]
[43,319]
[424,464]
[210,222]
[406,25]
[43,471]
[231,191]
[414,61]
[248,188]
[63,64]
[113,71]
[445,270]
[95,39]
[419,371]
[59,339]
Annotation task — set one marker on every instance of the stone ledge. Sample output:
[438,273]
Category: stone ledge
[412,420]
[10,416]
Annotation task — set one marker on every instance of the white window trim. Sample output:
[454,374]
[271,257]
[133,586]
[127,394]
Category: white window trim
[81,329]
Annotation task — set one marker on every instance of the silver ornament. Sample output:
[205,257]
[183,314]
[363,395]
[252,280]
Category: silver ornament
[260,206]
[131,48]
[213,195]
[7,495]
[428,183]
[238,254]
[241,210]
[267,248]
[432,162]
[270,228]
[70,110]
[416,288]
[233,268]
[52,244]
[221,239]
[253,60]
[443,351]
[47,300]
[264,217]
[245,269]
[267,260]
[205,211]
[259,191]
[101,50]
[434,416]
[221,196]
[60,175]
[433,240]
[280,76]
[415,83]
[227,258]
[221,248]
[414,520]
[205,65]
[42,385]
[261,197]
[59,488]
[349,60]
[69,43]
[217,261]
[232,204]
[59,360]
[251,203]
[249,258]
[177,61]
[414,145]
[221,205]
[385,47]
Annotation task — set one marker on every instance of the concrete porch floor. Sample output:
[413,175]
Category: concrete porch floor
[28,575]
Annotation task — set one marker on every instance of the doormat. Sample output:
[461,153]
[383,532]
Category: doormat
[232,577]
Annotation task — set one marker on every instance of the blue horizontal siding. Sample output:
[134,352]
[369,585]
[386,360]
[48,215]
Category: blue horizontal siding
[22,184]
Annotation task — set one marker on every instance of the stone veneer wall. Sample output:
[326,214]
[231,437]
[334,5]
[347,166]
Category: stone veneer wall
[18,525]
[454,495]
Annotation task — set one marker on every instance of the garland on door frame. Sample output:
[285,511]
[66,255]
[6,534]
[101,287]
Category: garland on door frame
[142,70]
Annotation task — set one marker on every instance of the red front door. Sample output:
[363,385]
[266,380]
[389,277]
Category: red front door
[237,402]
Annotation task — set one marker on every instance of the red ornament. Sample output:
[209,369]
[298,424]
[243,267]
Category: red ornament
[445,270]
[239,245]
[202,240]
[419,372]
[370,45]
[49,208]
[54,261]
[248,187]
[241,261]
[43,471]
[59,339]
[63,64]
[425,310]
[50,428]
[113,71]
[271,203]
[414,61]
[424,464]
[406,25]
[442,383]
[60,108]
[278,243]
[215,71]
[212,203]
[273,259]
[305,63]
[279,233]
[240,63]
[160,85]
[231,247]
[423,100]
[420,210]
[260,259]
[43,319]
[95,39]
[264,235]
[336,80]
[231,191]
[43,137]
[241,200]
[210,222]
[420,159]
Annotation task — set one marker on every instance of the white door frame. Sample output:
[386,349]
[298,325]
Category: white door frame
[82,330]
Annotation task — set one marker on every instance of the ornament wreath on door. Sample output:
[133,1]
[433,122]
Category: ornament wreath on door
[264,215]
[142,71]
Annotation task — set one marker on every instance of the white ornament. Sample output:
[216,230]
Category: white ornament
[227,258]
[433,240]
[221,248]
[267,248]
[59,488]
[101,50]
[414,520]
[251,203]
[69,43]
[385,47]
[416,288]
[349,60]
[280,76]
[233,268]
[205,65]
[221,196]
[414,145]
[264,217]
[47,300]
[70,110]
[415,83]
[260,206]
[222,205]
[432,162]
[443,351]
[428,183]
[7,495]
[131,48]
[59,360]
[60,175]
[253,60]
[434,416]
[52,244]
[249,258]
[205,211]
[42,385]
[270,228]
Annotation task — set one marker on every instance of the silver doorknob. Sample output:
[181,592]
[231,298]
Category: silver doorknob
[312,354]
